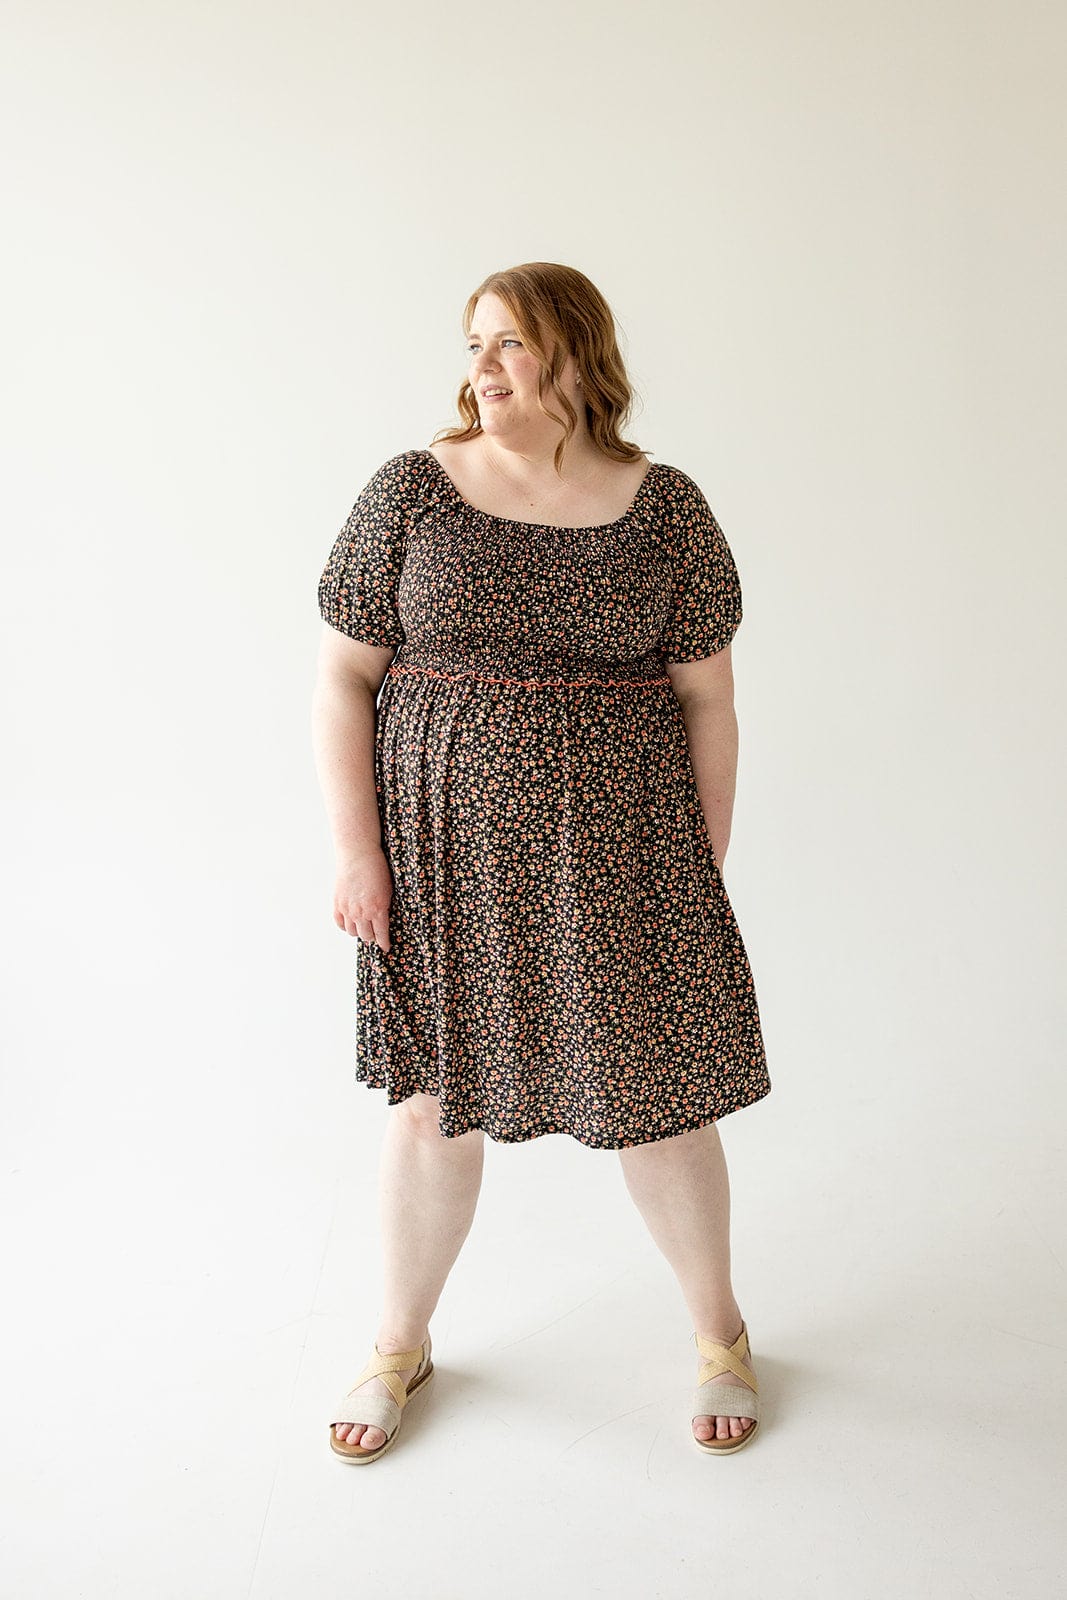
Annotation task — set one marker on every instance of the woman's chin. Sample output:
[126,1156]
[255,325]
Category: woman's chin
[490,423]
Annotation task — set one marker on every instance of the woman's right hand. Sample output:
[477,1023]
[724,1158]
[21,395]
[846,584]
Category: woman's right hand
[362,895]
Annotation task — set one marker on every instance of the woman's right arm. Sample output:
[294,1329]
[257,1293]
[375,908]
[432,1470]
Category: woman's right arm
[343,716]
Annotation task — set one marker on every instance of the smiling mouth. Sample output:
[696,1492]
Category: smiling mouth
[495,394]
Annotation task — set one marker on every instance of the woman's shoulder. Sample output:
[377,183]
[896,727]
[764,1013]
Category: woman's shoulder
[401,478]
[410,463]
[677,490]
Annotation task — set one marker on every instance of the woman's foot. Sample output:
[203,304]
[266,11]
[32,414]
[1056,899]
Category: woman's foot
[712,1427]
[365,1435]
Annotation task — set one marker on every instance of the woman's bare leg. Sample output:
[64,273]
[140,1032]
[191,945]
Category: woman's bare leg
[682,1189]
[428,1188]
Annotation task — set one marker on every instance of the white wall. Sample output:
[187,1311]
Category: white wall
[239,242]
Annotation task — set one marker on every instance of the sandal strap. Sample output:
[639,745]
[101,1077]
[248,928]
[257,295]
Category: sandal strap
[725,1400]
[395,1360]
[726,1358]
[377,1410]
[386,1367]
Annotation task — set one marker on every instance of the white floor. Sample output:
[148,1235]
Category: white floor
[188,1290]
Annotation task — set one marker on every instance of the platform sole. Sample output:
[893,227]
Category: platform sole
[728,1446]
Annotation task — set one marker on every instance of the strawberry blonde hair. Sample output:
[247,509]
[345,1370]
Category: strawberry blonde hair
[559,312]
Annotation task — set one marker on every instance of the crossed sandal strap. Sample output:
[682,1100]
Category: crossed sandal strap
[730,1400]
[725,1358]
[377,1410]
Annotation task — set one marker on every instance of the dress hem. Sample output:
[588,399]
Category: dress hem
[500,1135]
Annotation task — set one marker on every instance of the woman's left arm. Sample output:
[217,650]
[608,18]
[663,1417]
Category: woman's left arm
[705,692]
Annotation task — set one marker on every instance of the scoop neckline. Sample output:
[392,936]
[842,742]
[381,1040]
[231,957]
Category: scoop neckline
[552,527]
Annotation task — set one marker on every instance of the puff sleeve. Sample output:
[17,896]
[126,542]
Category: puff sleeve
[358,589]
[705,608]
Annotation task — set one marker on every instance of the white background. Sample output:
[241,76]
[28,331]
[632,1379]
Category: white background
[238,242]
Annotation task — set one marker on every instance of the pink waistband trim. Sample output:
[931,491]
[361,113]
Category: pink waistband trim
[533,683]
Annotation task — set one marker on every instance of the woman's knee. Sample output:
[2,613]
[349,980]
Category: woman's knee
[422,1114]
[420,1110]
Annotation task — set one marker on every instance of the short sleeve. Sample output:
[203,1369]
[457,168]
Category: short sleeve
[358,589]
[705,610]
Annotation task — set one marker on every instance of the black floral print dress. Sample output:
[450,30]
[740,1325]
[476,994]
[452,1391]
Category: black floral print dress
[563,954]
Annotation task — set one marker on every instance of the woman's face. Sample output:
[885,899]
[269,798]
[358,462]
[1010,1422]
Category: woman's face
[499,360]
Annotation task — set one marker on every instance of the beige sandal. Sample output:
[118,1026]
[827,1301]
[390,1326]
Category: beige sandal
[725,1399]
[377,1410]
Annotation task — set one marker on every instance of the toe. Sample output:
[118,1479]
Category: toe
[359,1435]
[704,1427]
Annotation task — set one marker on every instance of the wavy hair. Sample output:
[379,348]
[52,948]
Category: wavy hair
[559,312]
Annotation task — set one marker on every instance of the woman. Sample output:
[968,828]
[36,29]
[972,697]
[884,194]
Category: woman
[526,741]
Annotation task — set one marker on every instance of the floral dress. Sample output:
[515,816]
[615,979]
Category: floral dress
[563,954]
